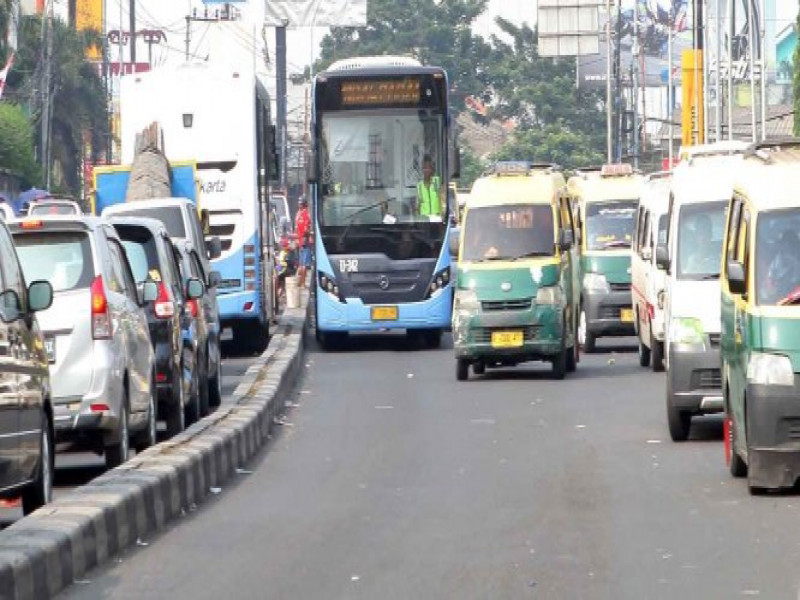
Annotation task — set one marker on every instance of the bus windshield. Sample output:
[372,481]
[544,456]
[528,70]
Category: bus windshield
[382,181]
[609,224]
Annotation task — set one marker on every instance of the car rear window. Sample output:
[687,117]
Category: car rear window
[140,248]
[170,216]
[62,258]
[52,209]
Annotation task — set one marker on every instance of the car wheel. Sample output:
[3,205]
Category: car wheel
[479,368]
[656,354]
[560,362]
[738,467]
[40,491]
[176,415]
[148,438]
[586,339]
[193,406]
[202,389]
[679,422]
[118,452]
[644,353]
[462,369]
[215,386]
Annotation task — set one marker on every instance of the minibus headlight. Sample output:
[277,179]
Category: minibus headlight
[689,331]
[550,294]
[770,369]
[595,282]
[466,301]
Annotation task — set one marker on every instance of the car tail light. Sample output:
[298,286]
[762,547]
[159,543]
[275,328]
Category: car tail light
[32,224]
[164,306]
[161,377]
[101,321]
[192,304]
[99,407]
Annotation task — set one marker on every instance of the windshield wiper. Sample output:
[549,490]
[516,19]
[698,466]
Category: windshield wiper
[352,217]
[617,244]
[709,277]
[533,254]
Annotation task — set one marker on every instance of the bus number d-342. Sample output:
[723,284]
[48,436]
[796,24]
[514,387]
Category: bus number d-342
[348,265]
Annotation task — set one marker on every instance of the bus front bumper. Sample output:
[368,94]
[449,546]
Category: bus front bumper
[773,435]
[354,315]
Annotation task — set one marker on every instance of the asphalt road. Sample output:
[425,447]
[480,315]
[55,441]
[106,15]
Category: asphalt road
[76,469]
[392,480]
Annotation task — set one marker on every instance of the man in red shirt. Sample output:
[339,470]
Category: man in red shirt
[304,240]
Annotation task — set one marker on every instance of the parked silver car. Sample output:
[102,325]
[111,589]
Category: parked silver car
[96,334]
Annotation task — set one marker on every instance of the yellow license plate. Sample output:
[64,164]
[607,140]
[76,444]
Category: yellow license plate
[384,313]
[507,339]
[626,315]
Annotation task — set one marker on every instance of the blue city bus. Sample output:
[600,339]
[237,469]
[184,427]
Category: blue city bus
[380,263]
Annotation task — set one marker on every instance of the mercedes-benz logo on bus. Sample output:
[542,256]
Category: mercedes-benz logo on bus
[383,282]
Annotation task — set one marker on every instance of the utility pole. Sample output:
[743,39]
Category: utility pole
[670,90]
[718,80]
[635,50]
[751,27]
[731,14]
[280,74]
[618,99]
[47,56]
[132,15]
[764,81]
[609,108]
[188,35]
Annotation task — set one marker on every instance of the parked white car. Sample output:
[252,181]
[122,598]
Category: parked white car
[647,278]
[95,334]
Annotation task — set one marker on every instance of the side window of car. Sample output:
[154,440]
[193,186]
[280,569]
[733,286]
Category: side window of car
[198,230]
[172,269]
[12,274]
[733,230]
[117,279]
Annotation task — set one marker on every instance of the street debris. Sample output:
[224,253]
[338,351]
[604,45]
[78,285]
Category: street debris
[215,490]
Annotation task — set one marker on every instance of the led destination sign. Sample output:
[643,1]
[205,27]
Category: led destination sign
[380,92]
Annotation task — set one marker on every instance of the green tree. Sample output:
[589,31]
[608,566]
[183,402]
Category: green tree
[78,96]
[472,167]
[16,145]
[556,122]
[435,32]
[796,83]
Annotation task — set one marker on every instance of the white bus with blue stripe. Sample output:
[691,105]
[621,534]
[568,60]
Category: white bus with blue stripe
[382,262]
[219,116]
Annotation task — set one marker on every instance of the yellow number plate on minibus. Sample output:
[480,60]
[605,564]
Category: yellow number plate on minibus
[384,313]
[626,315]
[507,339]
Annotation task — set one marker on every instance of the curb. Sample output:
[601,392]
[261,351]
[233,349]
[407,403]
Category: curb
[48,550]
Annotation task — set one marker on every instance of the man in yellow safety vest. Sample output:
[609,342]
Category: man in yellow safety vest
[430,193]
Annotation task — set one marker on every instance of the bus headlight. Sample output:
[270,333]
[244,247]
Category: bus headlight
[550,294]
[688,331]
[595,282]
[440,281]
[770,369]
[328,284]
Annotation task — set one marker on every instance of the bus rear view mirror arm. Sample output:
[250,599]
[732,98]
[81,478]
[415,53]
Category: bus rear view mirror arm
[565,240]
[736,279]
[454,243]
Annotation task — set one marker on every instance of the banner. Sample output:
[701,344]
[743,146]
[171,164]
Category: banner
[89,17]
[692,114]
[310,13]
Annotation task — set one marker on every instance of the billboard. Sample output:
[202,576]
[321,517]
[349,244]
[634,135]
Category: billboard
[653,27]
[568,27]
[328,13]
[89,17]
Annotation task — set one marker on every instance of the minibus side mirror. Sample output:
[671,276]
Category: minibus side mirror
[736,282]
[662,257]
[565,240]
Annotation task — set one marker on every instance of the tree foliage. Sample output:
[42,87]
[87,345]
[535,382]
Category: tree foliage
[78,95]
[472,167]
[16,145]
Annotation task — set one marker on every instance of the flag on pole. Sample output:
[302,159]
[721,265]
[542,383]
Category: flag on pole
[4,73]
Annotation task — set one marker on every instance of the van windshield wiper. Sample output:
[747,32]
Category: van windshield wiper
[617,244]
[533,254]
[709,277]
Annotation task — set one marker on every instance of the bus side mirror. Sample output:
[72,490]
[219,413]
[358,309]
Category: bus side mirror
[565,240]
[736,283]
[662,257]
[312,176]
[455,239]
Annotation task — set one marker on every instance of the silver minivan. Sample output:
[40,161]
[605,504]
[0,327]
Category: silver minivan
[96,334]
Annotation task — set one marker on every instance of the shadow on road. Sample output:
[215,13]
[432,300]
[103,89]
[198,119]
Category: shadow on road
[74,476]
[377,342]
[706,429]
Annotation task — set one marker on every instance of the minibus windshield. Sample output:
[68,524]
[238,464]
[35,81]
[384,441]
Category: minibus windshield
[778,258]
[508,232]
[609,225]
